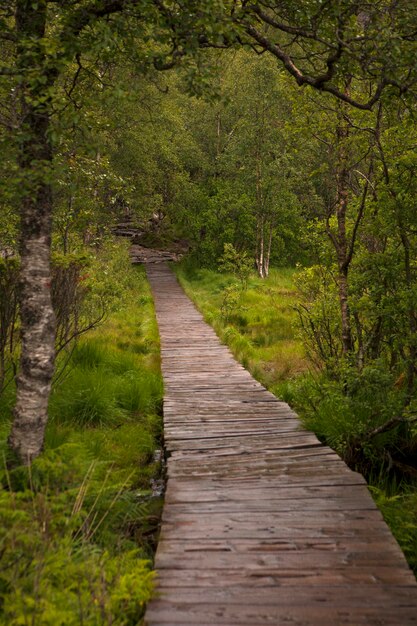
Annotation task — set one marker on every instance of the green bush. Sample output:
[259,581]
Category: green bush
[231,301]
[344,412]
[49,577]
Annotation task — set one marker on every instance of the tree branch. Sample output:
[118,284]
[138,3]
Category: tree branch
[318,82]
[388,425]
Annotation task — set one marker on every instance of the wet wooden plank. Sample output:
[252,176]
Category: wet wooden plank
[262,524]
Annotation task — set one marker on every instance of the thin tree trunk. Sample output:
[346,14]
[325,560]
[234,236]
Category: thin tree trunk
[218,144]
[65,234]
[268,252]
[261,249]
[409,274]
[260,218]
[347,342]
[342,252]
[36,313]
[411,312]
[258,239]
[342,248]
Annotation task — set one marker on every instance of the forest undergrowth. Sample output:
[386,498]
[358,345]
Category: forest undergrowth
[79,525]
[259,322]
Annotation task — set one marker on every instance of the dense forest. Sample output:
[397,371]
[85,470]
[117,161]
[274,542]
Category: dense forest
[272,144]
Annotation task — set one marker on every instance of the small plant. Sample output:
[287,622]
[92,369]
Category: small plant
[231,301]
[56,567]
[237,263]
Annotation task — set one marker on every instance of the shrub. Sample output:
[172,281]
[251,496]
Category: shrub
[49,578]
[344,413]
[231,301]
[400,513]
[237,263]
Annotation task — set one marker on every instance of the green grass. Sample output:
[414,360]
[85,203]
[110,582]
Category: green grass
[400,512]
[78,528]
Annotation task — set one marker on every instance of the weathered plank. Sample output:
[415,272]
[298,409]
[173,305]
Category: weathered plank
[262,524]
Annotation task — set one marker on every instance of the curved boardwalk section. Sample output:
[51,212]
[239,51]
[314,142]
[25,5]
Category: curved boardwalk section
[262,524]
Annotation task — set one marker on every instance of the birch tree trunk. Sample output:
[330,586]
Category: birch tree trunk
[268,252]
[260,219]
[37,316]
[260,248]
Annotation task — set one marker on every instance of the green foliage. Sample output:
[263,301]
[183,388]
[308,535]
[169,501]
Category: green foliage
[51,577]
[236,262]
[9,221]
[110,277]
[343,413]
[88,398]
[78,525]
[105,386]
[9,269]
[140,393]
[230,301]
[400,513]
[318,314]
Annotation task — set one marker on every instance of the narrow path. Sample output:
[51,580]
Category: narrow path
[262,524]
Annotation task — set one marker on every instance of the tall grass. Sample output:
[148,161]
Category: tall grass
[107,385]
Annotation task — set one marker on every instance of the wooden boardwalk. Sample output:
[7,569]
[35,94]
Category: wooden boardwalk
[262,524]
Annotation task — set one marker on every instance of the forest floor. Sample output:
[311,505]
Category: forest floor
[79,528]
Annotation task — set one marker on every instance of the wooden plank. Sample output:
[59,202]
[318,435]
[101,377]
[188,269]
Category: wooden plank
[262,524]
[184,492]
[387,614]
[308,595]
[367,573]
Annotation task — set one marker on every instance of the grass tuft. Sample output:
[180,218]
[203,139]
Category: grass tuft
[88,398]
